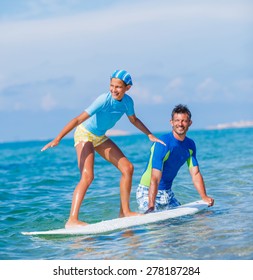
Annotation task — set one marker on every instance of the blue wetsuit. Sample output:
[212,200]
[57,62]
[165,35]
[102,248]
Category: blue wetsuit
[169,159]
[105,111]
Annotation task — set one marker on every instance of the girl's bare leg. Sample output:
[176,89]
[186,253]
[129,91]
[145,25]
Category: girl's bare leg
[85,157]
[110,151]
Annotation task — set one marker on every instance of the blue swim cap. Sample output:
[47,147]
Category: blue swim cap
[123,75]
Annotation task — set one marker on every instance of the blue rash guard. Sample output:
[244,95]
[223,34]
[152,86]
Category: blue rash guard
[169,159]
[105,111]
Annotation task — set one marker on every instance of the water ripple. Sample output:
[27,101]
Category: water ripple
[36,191]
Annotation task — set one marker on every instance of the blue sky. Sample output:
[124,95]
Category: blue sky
[56,57]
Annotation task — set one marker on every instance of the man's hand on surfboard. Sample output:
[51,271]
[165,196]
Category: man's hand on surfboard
[209,200]
[150,209]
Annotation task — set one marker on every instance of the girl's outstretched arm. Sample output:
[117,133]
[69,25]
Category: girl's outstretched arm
[72,124]
[140,125]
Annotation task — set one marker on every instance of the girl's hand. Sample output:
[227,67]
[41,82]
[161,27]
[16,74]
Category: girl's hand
[51,144]
[155,139]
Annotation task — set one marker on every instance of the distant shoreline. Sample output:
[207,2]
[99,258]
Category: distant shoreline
[240,124]
[115,132]
[112,132]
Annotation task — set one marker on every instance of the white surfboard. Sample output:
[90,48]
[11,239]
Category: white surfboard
[127,222]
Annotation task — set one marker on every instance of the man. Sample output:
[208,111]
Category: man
[154,191]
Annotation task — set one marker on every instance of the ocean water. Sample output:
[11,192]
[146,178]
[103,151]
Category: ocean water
[36,191]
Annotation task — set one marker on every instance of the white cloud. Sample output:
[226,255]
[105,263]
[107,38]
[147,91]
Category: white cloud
[18,106]
[177,41]
[140,94]
[2,81]
[209,90]
[177,51]
[208,85]
[245,85]
[157,99]
[83,22]
[143,95]
[159,91]
[175,83]
[2,103]
[48,102]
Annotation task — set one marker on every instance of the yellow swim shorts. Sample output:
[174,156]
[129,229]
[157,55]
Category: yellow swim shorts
[83,135]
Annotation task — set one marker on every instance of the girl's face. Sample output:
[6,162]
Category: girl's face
[118,88]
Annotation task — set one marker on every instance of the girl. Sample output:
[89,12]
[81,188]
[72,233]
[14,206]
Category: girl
[89,137]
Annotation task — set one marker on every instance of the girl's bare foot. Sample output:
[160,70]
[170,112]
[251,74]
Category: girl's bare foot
[129,214]
[77,223]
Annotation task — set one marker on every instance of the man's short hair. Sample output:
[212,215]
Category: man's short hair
[181,109]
